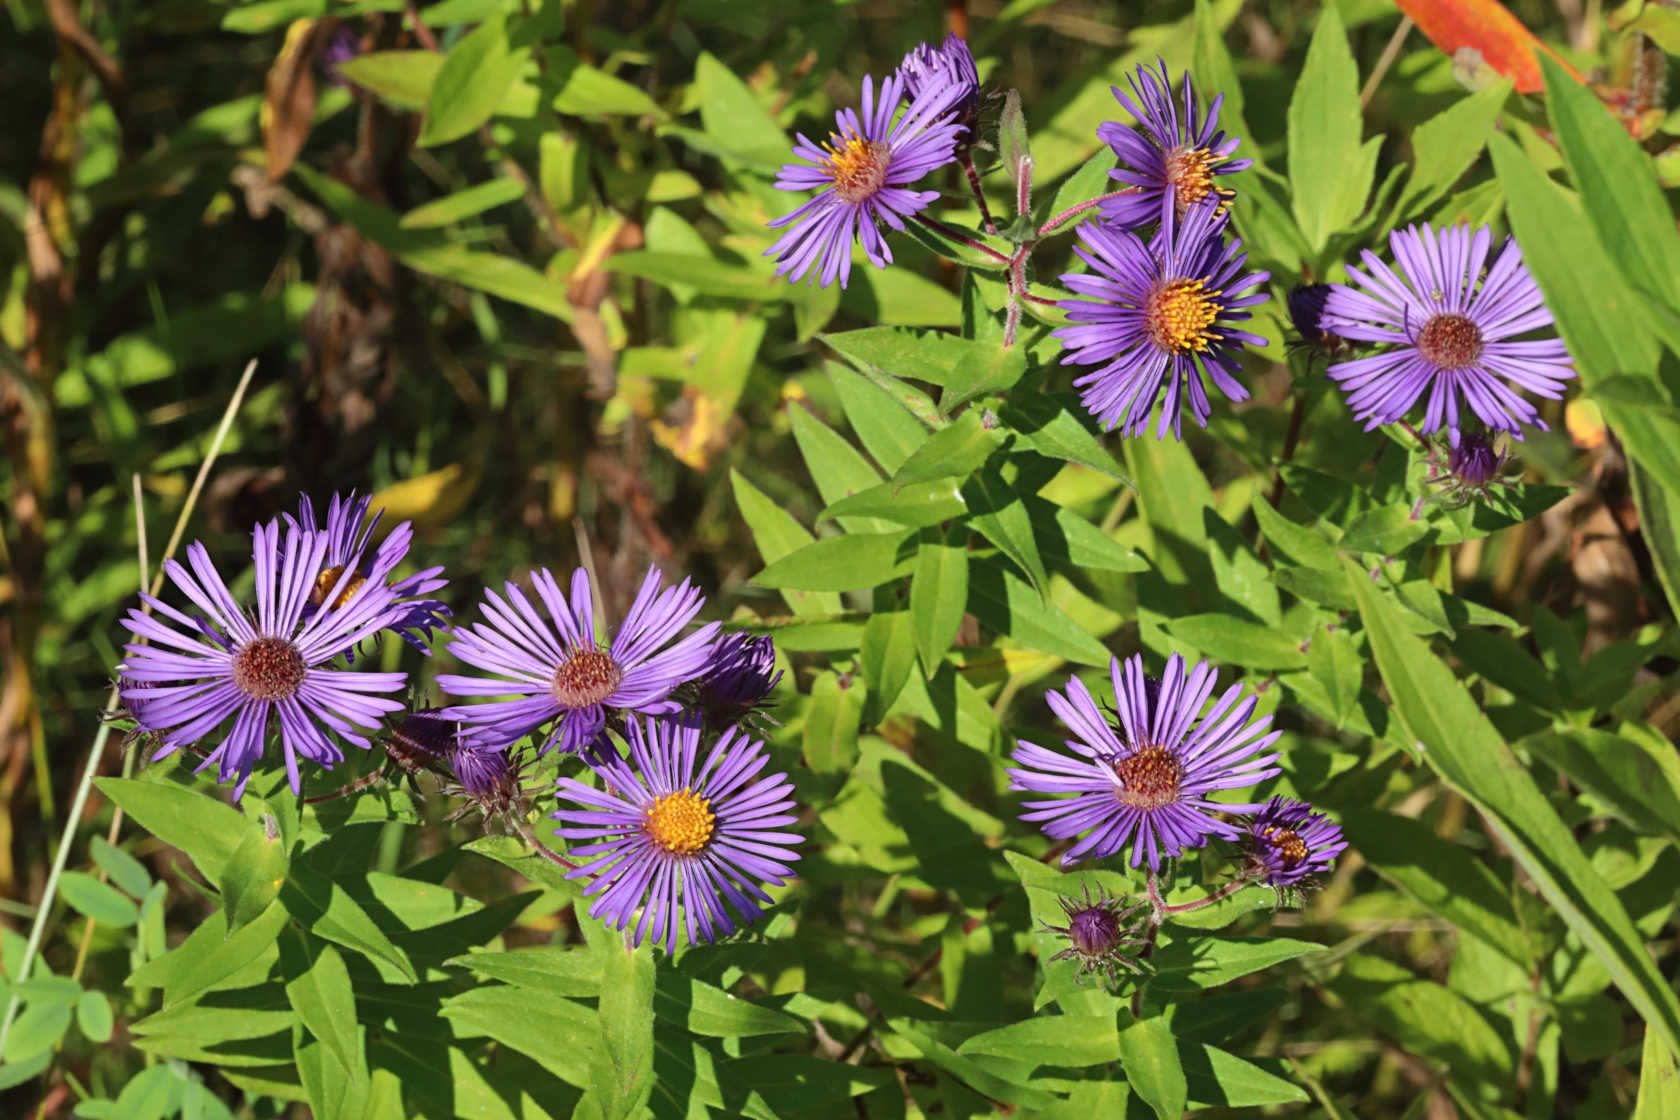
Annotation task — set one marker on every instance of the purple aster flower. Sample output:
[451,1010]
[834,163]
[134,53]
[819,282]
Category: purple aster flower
[1149,784]
[560,670]
[1172,157]
[1306,312]
[1451,329]
[1099,931]
[1159,314]
[864,172]
[951,63]
[740,675]
[666,833]
[1287,841]
[227,664]
[349,530]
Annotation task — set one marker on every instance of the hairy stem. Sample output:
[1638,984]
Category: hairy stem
[354,787]
[1072,211]
[1226,891]
[961,238]
[967,161]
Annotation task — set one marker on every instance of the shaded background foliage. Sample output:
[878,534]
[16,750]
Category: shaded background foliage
[554,327]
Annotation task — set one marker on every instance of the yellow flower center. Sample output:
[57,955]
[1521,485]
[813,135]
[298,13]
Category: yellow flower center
[325,582]
[680,822]
[857,166]
[1149,778]
[1190,174]
[1179,315]
[1289,844]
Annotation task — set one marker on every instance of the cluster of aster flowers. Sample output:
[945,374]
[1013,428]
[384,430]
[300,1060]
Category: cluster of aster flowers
[1148,783]
[1155,318]
[684,825]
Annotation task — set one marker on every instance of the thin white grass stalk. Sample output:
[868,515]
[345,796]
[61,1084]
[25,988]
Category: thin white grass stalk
[44,908]
[586,557]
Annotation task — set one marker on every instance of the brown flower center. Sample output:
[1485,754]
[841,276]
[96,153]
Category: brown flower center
[1289,844]
[268,669]
[585,678]
[681,823]
[857,166]
[1149,778]
[328,579]
[1179,314]
[1450,341]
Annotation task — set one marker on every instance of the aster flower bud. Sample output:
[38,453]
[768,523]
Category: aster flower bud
[1099,931]
[1464,471]
[738,679]
[950,63]
[421,741]
[1306,312]
[491,779]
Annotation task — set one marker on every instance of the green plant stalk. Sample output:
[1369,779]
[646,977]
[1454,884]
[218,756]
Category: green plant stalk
[38,928]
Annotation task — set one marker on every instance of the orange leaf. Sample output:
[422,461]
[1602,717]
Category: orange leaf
[1485,26]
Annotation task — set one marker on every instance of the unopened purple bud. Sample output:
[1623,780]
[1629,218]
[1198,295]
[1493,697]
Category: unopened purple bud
[738,678]
[483,773]
[1100,936]
[950,63]
[1474,462]
[1306,312]
[1094,930]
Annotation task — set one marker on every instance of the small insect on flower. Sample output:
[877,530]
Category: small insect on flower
[1172,158]
[864,172]
[349,530]
[1150,784]
[1287,842]
[1099,931]
[1159,316]
[951,63]
[258,671]
[1450,330]
[1306,312]
[667,832]
[738,679]
[559,669]
[1470,470]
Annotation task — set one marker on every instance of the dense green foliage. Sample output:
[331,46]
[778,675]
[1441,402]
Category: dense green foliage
[511,279]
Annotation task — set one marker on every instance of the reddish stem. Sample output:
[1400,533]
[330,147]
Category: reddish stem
[967,162]
[542,849]
[960,237]
[1226,891]
[1050,225]
[345,791]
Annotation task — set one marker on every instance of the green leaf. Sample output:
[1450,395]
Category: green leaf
[1149,1055]
[777,534]
[323,908]
[1051,1040]
[699,1008]
[952,452]
[1304,544]
[1441,875]
[1206,962]
[211,958]
[886,427]
[1425,1017]
[1083,185]
[99,901]
[325,1003]
[700,273]
[849,563]
[1340,671]
[333,1093]
[887,657]
[1618,185]
[932,356]
[552,970]
[1465,749]
[1224,1080]
[1073,542]
[1386,531]
[622,1069]
[830,743]
[1659,1082]
[1445,145]
[733,116]
[1014,152]
[1637,780]
[588,92]
[1249,644]
[1054,425]
[999,513]
[93,1016]
[476,75]
[837,467]
[254,872]
[404,79]
[200,826]
[464,204]
[985,369]
[938,592]
[1003,602]
[559,1034]
[1659,525]
[968,1070]
[1329,173]
[915,506]
[124,870]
